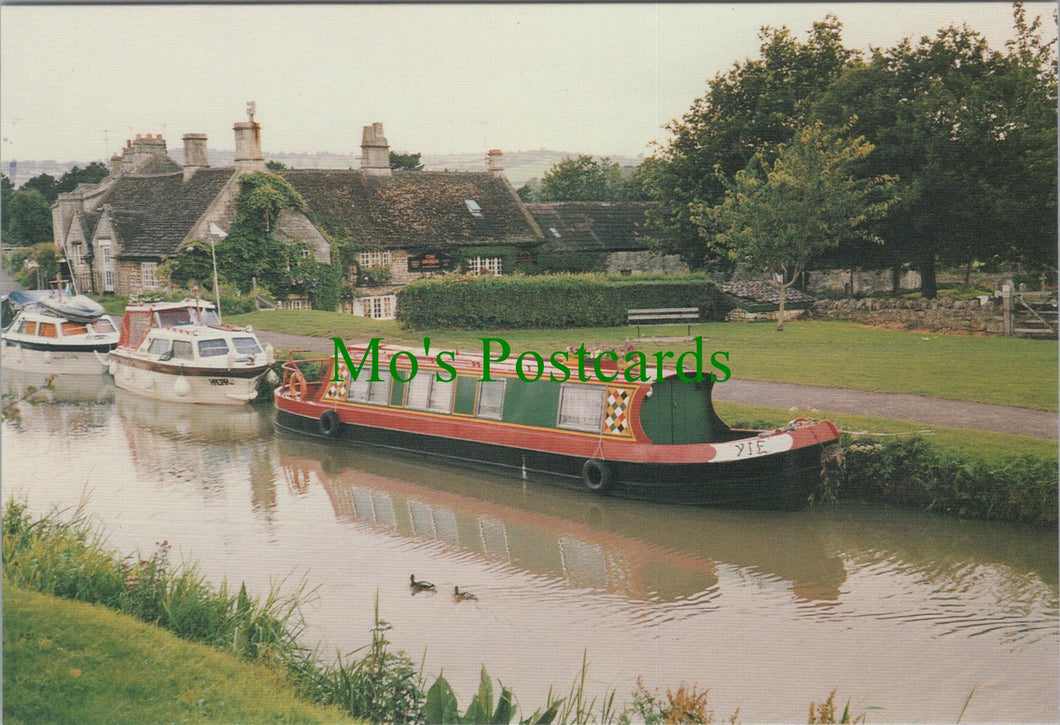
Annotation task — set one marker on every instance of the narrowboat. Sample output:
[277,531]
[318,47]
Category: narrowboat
[180,351]
[657,440]
[56,333]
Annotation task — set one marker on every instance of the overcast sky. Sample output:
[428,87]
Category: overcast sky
[76,81]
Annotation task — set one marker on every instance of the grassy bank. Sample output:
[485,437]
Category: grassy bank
[67,658]
[71,662]
[972,474]
[1003,371]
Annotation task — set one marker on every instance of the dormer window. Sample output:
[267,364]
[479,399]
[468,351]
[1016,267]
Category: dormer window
[473,207]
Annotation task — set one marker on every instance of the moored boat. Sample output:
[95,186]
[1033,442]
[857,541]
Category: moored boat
[180,351]
[56,333]
[658,440]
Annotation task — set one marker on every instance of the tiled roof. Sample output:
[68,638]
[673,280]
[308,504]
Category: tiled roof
[415,209]
[759,293]
[157,165]
[152,215]
[595,226]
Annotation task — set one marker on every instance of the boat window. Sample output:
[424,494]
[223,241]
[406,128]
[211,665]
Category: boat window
[246,345]
[73,328]
[182,349]
[379,392]
[103,325]
[212,348]
[364,390]
[48,329]
[441,398]
[171,318]
[158,346]
[209,317]
[29,327]
[491,399]
[581,407]
[419,392]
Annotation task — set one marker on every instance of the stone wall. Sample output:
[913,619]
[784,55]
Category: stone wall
[940,315]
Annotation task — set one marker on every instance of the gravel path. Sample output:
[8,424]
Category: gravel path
[898,406]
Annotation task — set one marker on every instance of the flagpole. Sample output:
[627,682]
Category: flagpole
[216,292]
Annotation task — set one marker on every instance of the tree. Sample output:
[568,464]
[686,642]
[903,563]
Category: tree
[27,218]
[778,216]
[405,162]
[748,110]
[36,266]
[275,166]
[94,173]
[583,179]
[971,133]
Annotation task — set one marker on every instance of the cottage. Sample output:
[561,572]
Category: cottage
[614,233]
[401,225]
[114,234]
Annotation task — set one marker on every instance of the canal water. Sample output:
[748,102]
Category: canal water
[911,617]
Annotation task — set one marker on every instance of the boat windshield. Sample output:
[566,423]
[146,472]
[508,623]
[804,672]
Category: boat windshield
[103,325]
[186,316]
[212,348]
[246,345]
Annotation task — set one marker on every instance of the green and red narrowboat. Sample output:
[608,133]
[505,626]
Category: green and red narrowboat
[657,440]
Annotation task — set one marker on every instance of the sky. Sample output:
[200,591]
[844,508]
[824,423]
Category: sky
[76,81]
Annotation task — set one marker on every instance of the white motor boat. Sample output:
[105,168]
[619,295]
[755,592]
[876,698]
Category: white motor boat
[56,334]
[180,351]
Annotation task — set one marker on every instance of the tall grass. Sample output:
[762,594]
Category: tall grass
[67,558]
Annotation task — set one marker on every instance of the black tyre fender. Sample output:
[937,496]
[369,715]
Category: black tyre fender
[329,424]
[597,476]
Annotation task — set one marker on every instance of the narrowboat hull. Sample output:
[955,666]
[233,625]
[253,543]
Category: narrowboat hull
[778,481]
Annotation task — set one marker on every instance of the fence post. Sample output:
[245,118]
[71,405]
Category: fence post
[1006,308]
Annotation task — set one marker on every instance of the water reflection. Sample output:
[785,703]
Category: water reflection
[729,600]
[658,553]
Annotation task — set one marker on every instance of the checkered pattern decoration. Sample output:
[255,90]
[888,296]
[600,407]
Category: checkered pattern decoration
[616,422]
[337,391]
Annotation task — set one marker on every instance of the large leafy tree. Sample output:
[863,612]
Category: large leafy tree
[584,178]
[747,111]
[779,215]
[27,219]
[405,162]
[971,133]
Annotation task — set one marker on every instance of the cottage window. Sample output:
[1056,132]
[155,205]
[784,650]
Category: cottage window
[149,275]
[374,259]
[74,252]
[379,308]
[473,207]
[491,399]
[581,407]
[485,265]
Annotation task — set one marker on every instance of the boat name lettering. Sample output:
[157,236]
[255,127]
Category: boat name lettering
[748,449]
[606,365]
[220,381]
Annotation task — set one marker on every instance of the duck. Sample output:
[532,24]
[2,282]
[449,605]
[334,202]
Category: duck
[419,586]
[462,596]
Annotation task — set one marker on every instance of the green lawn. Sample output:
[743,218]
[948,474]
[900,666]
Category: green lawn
[1004,371]
[67,662]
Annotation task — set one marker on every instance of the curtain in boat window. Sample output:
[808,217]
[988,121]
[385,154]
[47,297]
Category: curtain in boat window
[491,399]
[441,398]
[379,392]
[581,407]
[419,392]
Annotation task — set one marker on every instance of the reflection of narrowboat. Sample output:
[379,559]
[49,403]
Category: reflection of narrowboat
[658,439]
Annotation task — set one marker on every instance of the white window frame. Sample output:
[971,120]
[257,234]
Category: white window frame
[485,265]
[492,412]
[380,307]
[149,275]
[374,259]
[108,265]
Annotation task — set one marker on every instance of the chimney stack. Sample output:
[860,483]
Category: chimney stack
[375,151]
[495,162]
[248,143]
[194,154]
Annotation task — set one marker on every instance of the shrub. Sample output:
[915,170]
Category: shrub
[548,301]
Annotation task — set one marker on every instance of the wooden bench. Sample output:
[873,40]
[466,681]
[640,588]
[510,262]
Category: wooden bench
[663,316]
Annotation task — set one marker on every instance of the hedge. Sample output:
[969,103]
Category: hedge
[549,301]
